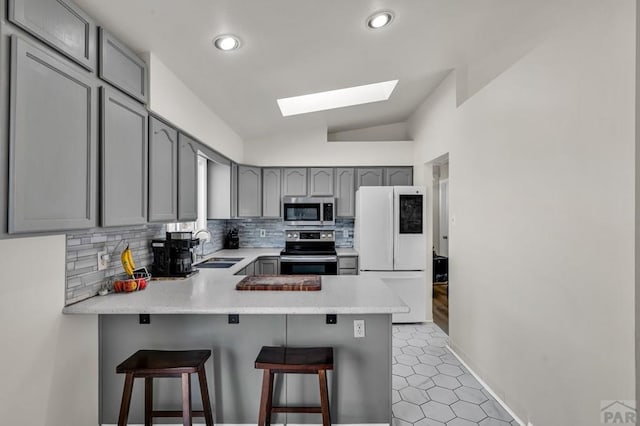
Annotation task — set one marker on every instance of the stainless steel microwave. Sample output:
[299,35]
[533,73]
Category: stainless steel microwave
[315,211]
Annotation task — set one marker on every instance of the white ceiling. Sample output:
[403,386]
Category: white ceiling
[296,47]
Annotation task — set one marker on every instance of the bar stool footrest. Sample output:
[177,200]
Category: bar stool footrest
[176,413]
[296,409]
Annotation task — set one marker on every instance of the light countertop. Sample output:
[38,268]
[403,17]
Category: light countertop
[212,291]
[346,251]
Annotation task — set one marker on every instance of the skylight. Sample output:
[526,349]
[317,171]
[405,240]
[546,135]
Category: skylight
[339,98]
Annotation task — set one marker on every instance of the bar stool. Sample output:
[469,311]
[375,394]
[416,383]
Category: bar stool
[278,359]
[152,364]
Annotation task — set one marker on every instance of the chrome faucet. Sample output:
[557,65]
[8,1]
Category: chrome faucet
[206,231]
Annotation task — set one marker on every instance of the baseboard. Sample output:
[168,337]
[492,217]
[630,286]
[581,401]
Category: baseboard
[255,424]
[488,388]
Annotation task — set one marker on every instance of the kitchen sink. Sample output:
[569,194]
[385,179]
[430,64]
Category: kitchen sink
[219,262]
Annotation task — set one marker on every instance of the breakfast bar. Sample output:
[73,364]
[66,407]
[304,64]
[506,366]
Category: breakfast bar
[207,312]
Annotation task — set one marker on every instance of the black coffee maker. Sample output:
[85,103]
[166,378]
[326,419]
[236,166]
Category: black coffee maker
[173,257]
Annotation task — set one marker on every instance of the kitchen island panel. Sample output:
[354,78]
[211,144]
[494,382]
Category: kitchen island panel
[359,387]
[360,384]
[234,383]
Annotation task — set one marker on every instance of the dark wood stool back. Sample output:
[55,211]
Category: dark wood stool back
[154,364]
[278,359]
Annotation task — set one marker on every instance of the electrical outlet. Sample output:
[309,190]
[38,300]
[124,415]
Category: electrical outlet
[345,233]
[103,260]
[358,328]
[263,233]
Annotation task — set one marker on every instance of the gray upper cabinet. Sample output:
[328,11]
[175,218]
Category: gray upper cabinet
[61,24]
[398,176]
[345,192]
[369,177]
[124,160]
[294,182]
[187,179]
[249,191]
[234,190]
[321,182]
[271,192]
[163,172]
[53,143]
[121,67]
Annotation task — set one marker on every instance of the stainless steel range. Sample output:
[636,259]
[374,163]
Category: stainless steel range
[309,252]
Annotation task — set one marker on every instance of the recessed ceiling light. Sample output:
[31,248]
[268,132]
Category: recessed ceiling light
[339,98]
[226,42]
[380,19]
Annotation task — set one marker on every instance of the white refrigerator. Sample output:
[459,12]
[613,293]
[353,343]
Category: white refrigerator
[389,235]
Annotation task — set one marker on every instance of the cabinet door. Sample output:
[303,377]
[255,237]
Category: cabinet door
[398,176]
[294,182]
[121,67]
[249,191]
[234,190]
[321,182]
[53,143]
[61,24]
[124,160]
[163,169]
[187,179]
[369,177]
[268,266]
[345,192]
[271,198]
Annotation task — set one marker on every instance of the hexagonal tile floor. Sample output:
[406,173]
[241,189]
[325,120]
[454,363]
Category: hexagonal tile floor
[432,388]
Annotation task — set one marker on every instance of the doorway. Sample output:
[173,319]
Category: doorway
[441,244]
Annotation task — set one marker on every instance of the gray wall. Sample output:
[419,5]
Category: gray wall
[359,386]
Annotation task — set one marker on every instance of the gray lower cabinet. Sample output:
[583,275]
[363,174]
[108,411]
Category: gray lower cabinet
[294,182]
[345,192]
[187,178]
[163,172]
[347,265]
[373,176]
[268,266]
[61,24]
[249,191]
[398,176]
[53,143]
[271,192]
[124,160]
[321,182]
[121,67]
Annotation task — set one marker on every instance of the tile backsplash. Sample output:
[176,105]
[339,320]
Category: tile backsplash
[84,280]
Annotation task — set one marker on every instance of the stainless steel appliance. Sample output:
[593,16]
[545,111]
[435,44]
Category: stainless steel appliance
[173,257]
[309,252]
[308,211]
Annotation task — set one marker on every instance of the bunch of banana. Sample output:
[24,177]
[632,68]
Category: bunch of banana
[127,261]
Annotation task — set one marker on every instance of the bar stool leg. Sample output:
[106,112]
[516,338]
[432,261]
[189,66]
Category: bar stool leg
[126,400]
[148,401]
[186,399]
[324,398]
[264,415]
[206,402]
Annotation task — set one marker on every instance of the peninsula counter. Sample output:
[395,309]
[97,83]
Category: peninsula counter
[194,314]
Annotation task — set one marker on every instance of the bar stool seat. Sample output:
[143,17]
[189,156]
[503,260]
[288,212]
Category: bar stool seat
[150,364]
[280,359]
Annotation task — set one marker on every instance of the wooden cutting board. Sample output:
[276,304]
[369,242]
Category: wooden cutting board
[280,283]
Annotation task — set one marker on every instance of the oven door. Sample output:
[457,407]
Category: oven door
[308,265]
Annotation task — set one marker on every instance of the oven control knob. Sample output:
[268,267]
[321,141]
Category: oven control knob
[288,235]
[323,235]
[295,235]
